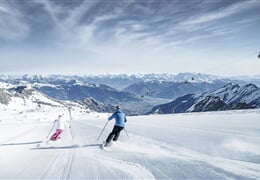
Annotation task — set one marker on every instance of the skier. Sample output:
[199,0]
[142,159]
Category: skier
[120,120]
[60,126]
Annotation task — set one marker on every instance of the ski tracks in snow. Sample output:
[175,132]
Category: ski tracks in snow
[61,164]
[65,163]
[140,157]
[126,156]
[225,167]
[133,170]
[116,168]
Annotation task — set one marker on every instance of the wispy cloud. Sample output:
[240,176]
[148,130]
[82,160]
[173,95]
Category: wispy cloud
[222,13]
[228,20]
[11,25]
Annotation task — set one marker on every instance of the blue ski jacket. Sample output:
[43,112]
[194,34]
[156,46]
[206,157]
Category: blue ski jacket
[120,118]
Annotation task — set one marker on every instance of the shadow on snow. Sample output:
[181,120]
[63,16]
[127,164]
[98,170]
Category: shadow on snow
[67,147]
[21,143]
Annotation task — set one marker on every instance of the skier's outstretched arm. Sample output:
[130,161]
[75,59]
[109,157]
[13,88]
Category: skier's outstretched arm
[111,117]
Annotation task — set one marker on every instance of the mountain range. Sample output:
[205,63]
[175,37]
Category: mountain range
[121,81]
[172,90]
[137,94]
[18,96]
[228,97]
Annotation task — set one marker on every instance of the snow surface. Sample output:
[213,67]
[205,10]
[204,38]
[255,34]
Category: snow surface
[212,145]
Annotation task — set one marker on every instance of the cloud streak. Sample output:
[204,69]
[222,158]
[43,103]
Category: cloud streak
[12,28]
[223,13]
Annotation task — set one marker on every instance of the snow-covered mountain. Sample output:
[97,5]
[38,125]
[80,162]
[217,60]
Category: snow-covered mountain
[99,92]
[121,81]
[172,90]
[232,94]
[143,92]
[26,98]
[182,84]
[96,106]
[228,97]
[72,88]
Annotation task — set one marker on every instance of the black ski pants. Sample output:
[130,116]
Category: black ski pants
[114,134]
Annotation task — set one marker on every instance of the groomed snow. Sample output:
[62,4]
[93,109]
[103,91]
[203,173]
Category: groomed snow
[214,145]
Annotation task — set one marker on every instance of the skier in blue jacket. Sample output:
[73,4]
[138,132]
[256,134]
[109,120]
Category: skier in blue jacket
[120,119]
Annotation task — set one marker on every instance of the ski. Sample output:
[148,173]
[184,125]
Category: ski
[47,142]
[103,145]
[43,143]
[106,146]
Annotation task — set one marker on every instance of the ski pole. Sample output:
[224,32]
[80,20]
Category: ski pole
[126,133]
[71,133]
[50,130]
[102,130]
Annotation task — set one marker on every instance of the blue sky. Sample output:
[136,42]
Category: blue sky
[220,37]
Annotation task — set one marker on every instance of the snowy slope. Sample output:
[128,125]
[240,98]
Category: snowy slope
[222,145]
